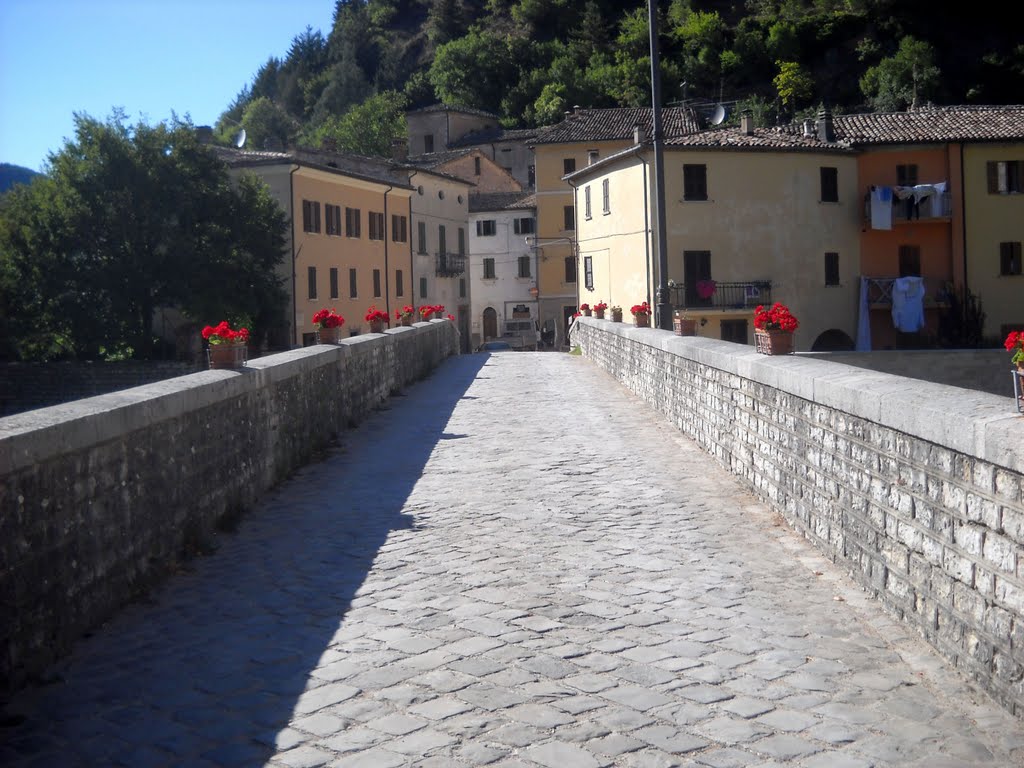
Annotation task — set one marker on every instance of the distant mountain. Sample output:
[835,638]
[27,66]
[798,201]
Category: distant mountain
[14,174]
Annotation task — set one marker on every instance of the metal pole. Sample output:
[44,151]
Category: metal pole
[664,305]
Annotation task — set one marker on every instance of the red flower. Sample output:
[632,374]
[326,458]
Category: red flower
[223,334]
[600,306]
[376,314]
[1015,343]
[584,307]
[328,318]
[778,318]
[640,309]
[452,318]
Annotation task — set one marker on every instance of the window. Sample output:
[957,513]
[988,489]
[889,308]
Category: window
[421,237]
[376,283]
[734,331]
[489,269]
[696,269]
[399,283]
[352,292]
[592,156]
[1009,259]
[524,266]
[606,205]
[568,165]
[462,287]
[442,239]
[399,231]
[695,182]
[486,228]
[333,215]
[906,175]
[586,202]
[462,241]
[524,226]
[310,216]
[569,220]
[423,287]
[588,272]
[311,279]
[910,261]
[1004,177]
[476,166]
[570,269]
[376,222]
[352,220]
[334,282]
[428,143]
[829,185]
[831,268]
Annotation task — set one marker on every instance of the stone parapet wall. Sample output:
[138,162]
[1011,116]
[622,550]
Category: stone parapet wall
[917,488]
[102,498]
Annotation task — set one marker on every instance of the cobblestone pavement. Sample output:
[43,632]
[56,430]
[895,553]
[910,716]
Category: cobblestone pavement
[515,564]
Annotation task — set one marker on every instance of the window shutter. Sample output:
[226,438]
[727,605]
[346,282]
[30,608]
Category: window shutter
[993,176]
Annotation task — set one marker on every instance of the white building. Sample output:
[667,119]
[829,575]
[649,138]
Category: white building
[503,264]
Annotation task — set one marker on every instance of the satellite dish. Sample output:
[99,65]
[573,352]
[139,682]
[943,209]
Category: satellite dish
[718,115]
[240,139]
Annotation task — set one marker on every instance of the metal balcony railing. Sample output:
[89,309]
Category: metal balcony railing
[936,291]
[450,264]
[738,295]
[936,207]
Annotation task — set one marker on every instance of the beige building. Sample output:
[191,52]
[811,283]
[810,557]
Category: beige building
[752,217]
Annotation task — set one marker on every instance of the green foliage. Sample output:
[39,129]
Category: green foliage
[906,79]
[267,125]
[367,129]
[473,71]
[129,220]
[794,86]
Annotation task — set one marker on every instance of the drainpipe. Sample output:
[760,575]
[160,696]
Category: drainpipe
[575,190]
[291,205]
[387,279]
[664,307]
[647,236]
[963,219]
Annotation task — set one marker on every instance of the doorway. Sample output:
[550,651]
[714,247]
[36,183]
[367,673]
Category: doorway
[490,324]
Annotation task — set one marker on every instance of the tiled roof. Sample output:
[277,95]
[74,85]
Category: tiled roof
[452,108]
[495,135]
[501,201]
[934,124]
[761,138]
[616,124]
[374,169]
[434,159]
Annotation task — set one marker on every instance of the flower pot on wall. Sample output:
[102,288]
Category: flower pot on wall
[407,320]
[327,335]
[642,321]
[376,326]
[616,315]
[773,342]
[599,314]
[684,326]
[227,355]
[586,312]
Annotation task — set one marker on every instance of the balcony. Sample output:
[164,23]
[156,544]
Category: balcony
[726,296]
[450,264]
[936,207]
[936,292]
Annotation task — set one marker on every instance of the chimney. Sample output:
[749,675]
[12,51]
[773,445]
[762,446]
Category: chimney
[639,135]
[204,133]
[809,128]
[399,150]
[826,130]
[329,144]
[747,122]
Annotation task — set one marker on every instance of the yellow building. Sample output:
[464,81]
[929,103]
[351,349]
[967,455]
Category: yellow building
[583,138]
[350,238]
[752,216]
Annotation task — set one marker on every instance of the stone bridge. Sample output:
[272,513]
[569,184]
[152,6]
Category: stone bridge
[517,562]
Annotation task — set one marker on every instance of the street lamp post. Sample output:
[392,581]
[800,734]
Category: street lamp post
[664,305]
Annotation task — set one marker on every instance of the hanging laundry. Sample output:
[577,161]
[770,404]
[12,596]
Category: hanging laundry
[881,208]
[908,304]
[939,200]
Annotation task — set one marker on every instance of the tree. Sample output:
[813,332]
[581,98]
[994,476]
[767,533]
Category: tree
[267,125]
[793,85]
[902,80]
[128,220]
[474,71]
[369,128]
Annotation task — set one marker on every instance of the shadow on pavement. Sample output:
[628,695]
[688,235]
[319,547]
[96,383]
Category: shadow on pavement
[214,666]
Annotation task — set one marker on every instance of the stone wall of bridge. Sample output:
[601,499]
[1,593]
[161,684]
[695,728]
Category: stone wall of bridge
[916,488]
[101,498]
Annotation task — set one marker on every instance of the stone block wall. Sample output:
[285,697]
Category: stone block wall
[101,498]
[916,488]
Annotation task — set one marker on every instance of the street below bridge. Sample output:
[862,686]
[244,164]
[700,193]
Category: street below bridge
[512,563]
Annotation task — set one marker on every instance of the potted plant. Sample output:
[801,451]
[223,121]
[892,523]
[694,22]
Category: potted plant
[227,348]
[585,309]
[376,318]
[404,315]
[773,329]
[641,315]
[439,311]
[706,289]
[328,326]
[616,313]
[599,309]
[1015,345]
[683,324]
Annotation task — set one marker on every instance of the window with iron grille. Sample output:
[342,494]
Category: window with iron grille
[1009,258]
[829,185]
[352,222]
[332,214]
[831,268]
[311,279]
[588,272]
[489,273]
[695,182]
[334,282]
[524,266]
[310,216]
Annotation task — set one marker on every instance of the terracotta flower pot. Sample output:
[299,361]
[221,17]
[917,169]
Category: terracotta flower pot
[406,319]
[376,326]
[684,326]
[227,355]
[586,312]
[599,314]
[616,316]
[642,320]
[773,342]
[328,335]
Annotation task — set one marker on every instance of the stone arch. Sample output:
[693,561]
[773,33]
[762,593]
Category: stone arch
[833,340]
[490,324]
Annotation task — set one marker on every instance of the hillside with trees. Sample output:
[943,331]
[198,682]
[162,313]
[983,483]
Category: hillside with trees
[530,60]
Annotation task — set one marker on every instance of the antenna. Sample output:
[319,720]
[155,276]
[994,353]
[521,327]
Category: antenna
[718,116]
[240,139]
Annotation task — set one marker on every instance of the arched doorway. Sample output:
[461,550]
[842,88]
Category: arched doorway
[833,340]
[490,324]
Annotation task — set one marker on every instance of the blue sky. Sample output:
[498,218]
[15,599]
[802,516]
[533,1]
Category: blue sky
[150,57]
